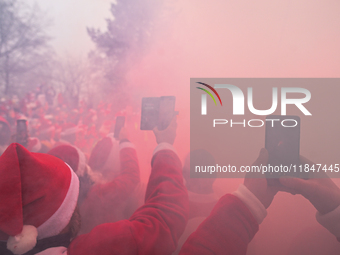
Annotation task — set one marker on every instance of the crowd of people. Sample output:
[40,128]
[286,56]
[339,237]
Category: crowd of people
[51,118]
[73,188]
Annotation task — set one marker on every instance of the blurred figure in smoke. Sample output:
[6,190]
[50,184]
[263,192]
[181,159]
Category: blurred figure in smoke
[105,129]
[5,134]
[39,197]
[201,193]
[50,95]
[104,158]
[202,197]
[73,117]
[76,159]
[236,217]
[13,115]
[46,132]
[313,240]
[89,121]
[68,134]
[114,183]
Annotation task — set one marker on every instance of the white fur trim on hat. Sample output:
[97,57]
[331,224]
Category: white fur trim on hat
[23,242]
[251,201]
[59,220]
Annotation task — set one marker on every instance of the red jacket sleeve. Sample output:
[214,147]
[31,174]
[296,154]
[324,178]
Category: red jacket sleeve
[155,227]
[227,230]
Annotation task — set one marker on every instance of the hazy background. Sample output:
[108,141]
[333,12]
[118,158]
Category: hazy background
[69,20]
[213,39]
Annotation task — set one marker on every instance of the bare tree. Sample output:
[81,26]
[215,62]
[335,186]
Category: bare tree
[77,79]
[128,34]
[23,44]
[71,76]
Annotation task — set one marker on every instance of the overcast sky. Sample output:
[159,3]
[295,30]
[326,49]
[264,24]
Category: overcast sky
[270,37]
[69,22]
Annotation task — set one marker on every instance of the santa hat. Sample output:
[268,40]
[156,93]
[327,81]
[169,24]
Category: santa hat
[105,155]
[74,157]
[90,118]
[38,194]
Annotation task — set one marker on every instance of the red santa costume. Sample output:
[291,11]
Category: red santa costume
[233,223]
[156,226]
[105,157]
[200,206]
[41,191]
[38,194]
[229,228]
[106,202]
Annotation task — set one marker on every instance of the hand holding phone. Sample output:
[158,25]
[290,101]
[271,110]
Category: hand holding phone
[120,122]
[157,112]
[320,190]
[167,135]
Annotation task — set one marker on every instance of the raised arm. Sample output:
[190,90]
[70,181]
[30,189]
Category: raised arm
[156,226]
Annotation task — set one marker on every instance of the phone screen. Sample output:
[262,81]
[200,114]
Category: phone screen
[150,113]
[166,111]
[120,121]
[282,141]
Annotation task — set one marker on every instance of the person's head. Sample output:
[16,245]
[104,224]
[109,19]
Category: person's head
[38,194]
[46,130]
[203,158]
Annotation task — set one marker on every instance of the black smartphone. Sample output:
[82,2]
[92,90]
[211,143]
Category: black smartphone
[22,134]
[282,141]
[150,113]
[157,112]
[120,122]
[166,111]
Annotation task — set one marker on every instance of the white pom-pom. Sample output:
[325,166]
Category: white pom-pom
[23,242]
